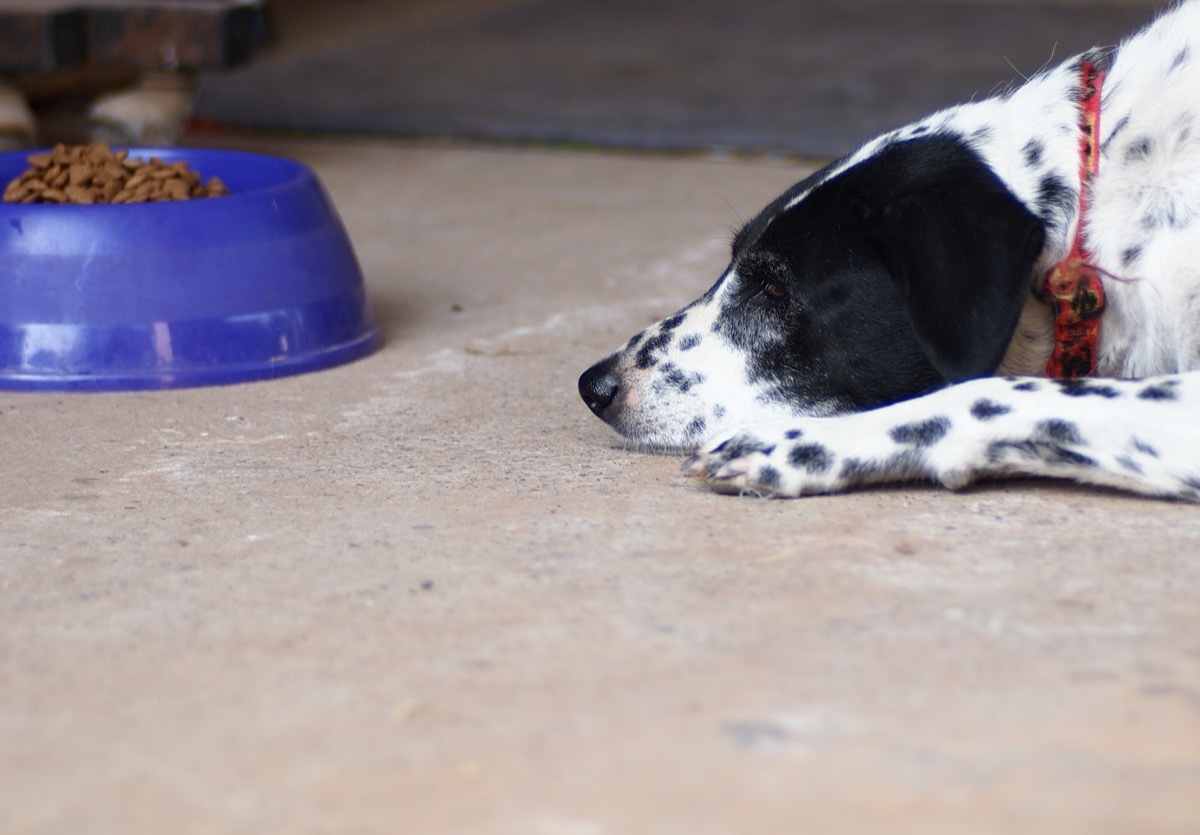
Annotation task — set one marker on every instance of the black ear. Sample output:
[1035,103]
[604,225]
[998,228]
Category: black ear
[962,253]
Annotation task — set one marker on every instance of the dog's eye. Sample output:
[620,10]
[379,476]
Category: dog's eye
[773,291]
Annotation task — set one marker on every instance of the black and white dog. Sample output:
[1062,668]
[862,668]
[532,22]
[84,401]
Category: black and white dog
[885,319]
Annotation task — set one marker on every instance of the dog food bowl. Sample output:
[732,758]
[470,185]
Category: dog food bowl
[257,284]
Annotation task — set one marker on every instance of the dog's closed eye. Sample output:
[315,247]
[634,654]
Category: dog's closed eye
[773,290]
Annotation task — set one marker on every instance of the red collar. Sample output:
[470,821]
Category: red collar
[1073,285]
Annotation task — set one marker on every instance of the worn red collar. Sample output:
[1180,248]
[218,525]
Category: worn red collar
[1072,286]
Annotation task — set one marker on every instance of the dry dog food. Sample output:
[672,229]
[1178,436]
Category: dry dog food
[86,174]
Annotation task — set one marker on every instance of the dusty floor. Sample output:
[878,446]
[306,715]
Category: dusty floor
[428,593]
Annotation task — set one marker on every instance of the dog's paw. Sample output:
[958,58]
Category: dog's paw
[782,461]
[825,455]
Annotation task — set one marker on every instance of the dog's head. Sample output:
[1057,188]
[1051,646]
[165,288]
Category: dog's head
[876,279]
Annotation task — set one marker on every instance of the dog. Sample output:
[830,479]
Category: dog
[1006,288]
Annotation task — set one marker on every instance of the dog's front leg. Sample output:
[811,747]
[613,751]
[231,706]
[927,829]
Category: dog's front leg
[1137,435]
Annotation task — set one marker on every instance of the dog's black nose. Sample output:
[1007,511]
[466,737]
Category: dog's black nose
[598,386]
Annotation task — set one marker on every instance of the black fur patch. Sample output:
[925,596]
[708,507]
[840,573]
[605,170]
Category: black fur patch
[856,470]
[923,434]
[668,325]
[739,447]
[677,379]
[1033,151]
[690,342]
[1164,215]
[1160,391]
[812,458]
[1139,149]
[654,345]
[1144,448]
[1036,451]
[1028,385]
[793,434]
[1050,443]
[1129,256]
[769,478]
[1085,388]
[1129,464]
[1055,199]
[1057,431]
[984,409]
[1179,60]
[696,428]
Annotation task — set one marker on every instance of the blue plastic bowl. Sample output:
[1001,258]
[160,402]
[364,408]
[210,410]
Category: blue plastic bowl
[257,284]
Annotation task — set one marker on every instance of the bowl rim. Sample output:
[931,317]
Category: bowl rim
[296,172]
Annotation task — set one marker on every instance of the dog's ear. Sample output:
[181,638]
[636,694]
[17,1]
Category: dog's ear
[962,254]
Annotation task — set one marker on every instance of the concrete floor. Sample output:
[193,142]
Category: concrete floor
[428,593]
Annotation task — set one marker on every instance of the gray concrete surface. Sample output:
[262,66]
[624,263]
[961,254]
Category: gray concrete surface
[427,593]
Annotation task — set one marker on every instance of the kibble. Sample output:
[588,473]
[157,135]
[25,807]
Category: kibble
[88,174]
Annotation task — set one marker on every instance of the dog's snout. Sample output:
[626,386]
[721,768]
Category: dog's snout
[598,387]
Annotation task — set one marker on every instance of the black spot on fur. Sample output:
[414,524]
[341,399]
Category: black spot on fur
[671,324]
[1065,456]
[812,458]
[718,411]
[677,379]
[1028,385]
[1165,215]
[1129,256]
[1033,151]
[769,478]
[1160,391]
[1049,453]
[793,434]
[1055,199]
[1139,149]
[646,354]
[984,409]
[740,447]
[1086,388]
[923,434]
[1144,448]
[1057,431]
[906,462]
[690,342]
[1129,464]
[1051,443]
[1179,60]
[696,428]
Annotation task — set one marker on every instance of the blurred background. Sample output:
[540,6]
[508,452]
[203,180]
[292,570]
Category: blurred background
[805,77]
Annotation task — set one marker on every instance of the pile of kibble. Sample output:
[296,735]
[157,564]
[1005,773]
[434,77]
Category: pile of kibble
[87,174]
